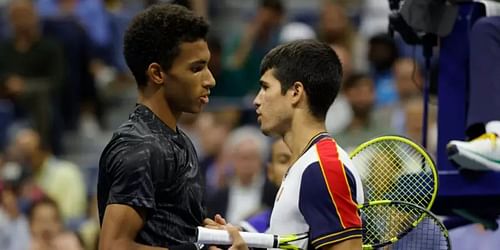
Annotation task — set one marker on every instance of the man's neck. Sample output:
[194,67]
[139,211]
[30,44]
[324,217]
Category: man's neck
[155,101]
[247,180]
[359,122]
[303,129]
[38,160]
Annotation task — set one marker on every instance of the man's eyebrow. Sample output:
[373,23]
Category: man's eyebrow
[200,61]
[263,83]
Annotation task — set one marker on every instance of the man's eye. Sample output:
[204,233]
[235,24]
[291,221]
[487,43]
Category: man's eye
[197,69]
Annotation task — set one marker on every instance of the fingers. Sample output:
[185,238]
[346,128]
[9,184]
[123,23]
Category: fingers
[220,220]
[238,242]
[208,221]
[217,223]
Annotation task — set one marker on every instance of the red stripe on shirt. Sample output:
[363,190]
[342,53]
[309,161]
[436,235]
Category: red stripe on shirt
[337,184]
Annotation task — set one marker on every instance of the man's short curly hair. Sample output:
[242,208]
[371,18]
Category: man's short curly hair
[155,34]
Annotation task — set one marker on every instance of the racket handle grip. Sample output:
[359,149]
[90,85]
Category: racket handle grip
[221,237]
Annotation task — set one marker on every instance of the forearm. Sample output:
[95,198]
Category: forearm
[241,54]
[120,227]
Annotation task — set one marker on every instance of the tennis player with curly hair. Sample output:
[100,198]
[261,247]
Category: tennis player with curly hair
[150,189]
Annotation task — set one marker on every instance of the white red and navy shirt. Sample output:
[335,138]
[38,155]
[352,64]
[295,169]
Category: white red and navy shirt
[319,195]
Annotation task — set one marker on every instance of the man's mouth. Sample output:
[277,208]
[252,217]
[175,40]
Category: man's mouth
[204,99]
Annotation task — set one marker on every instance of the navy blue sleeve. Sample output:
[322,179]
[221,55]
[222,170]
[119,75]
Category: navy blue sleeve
[330,212]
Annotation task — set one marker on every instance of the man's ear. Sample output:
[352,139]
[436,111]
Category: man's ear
[297,92]
[156,74]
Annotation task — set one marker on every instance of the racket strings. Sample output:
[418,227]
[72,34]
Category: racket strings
[384,222]
[429,234]
[391,169]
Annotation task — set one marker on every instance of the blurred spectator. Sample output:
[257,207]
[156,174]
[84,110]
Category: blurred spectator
[15,177]
[243,54]
[408,81]
[414,112]
[339,114]
[225,87]
[120,13]
[47,229]
[93,17]
[336,28]
[78,83]
[277,167]
[3,21]
[61,180]
[360,93]
[296,31]
[213,129]
[6,113]
[187,123]
[200,7]
[374,17]
[408,78]
[89,230]
[382,53]
[345,58]
[246,149]
[352,7]
[33,67]
[14,229]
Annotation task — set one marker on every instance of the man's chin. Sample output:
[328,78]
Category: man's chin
[263,130]
[266,132]
[194,110]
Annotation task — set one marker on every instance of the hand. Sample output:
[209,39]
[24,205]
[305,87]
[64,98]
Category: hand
[238,242]
[217,223]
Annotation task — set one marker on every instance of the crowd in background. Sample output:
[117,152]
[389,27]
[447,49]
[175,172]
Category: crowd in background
[64,87]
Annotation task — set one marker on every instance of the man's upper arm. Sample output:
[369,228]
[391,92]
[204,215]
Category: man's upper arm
[130,196]
[120,226]
[130,173]
[327,201]
[351,244]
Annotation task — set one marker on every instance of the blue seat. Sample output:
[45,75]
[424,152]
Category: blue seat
[477,192]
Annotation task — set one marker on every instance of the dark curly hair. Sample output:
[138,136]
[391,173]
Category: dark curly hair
[311,62]
[155,34]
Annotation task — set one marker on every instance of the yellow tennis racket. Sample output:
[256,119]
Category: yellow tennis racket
[401,225]
[396,168]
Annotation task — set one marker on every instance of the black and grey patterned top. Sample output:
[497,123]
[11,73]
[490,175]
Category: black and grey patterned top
[149,166]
